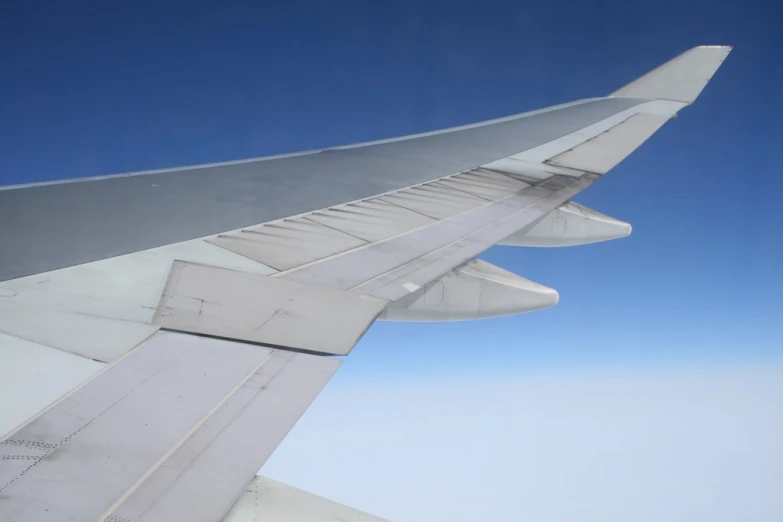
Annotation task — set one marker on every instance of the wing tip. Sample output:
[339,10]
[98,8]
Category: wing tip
[681,79]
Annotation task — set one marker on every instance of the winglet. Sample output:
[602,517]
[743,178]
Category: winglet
[680,79]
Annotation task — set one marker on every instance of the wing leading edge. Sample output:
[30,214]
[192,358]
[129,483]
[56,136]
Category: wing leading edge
[102,287]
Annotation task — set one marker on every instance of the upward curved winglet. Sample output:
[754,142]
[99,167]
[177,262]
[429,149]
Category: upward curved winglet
[680,79]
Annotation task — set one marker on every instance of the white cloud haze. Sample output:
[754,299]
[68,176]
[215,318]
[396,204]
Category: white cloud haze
[698,444]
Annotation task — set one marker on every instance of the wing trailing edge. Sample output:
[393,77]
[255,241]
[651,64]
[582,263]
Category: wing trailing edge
[172,431]
[272,501]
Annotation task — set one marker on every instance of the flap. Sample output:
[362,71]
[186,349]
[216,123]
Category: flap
[178,417]
[265,310]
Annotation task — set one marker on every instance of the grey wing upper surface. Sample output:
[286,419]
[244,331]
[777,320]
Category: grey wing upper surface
[188,316]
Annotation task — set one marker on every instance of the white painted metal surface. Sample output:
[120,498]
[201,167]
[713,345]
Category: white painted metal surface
[104,448]
[475,290]
[232,444]
[497,180]
[529,172]
[32,376]
[96,338]
[94,445]
[473,183]
[608,149]
[539,154]
[307,239]
[501,204]
[260,309]
[434,206]
[681,78]
[103,309]
[289,243]
[371,220]
[426,254]
[439,190]
[570,224]
[267,500]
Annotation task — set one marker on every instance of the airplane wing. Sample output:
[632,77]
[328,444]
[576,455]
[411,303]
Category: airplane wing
[162,331]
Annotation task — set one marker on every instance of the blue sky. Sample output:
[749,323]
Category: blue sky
[99,88]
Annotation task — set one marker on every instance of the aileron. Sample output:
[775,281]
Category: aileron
[606,150]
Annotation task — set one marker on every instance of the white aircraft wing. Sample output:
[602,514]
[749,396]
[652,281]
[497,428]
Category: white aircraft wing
[162,331]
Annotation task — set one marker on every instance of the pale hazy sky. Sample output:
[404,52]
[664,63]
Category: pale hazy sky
[693,444]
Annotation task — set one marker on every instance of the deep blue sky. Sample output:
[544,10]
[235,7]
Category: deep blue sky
[106,88]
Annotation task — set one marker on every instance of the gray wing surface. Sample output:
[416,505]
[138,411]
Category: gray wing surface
[189,316]
[64,224]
